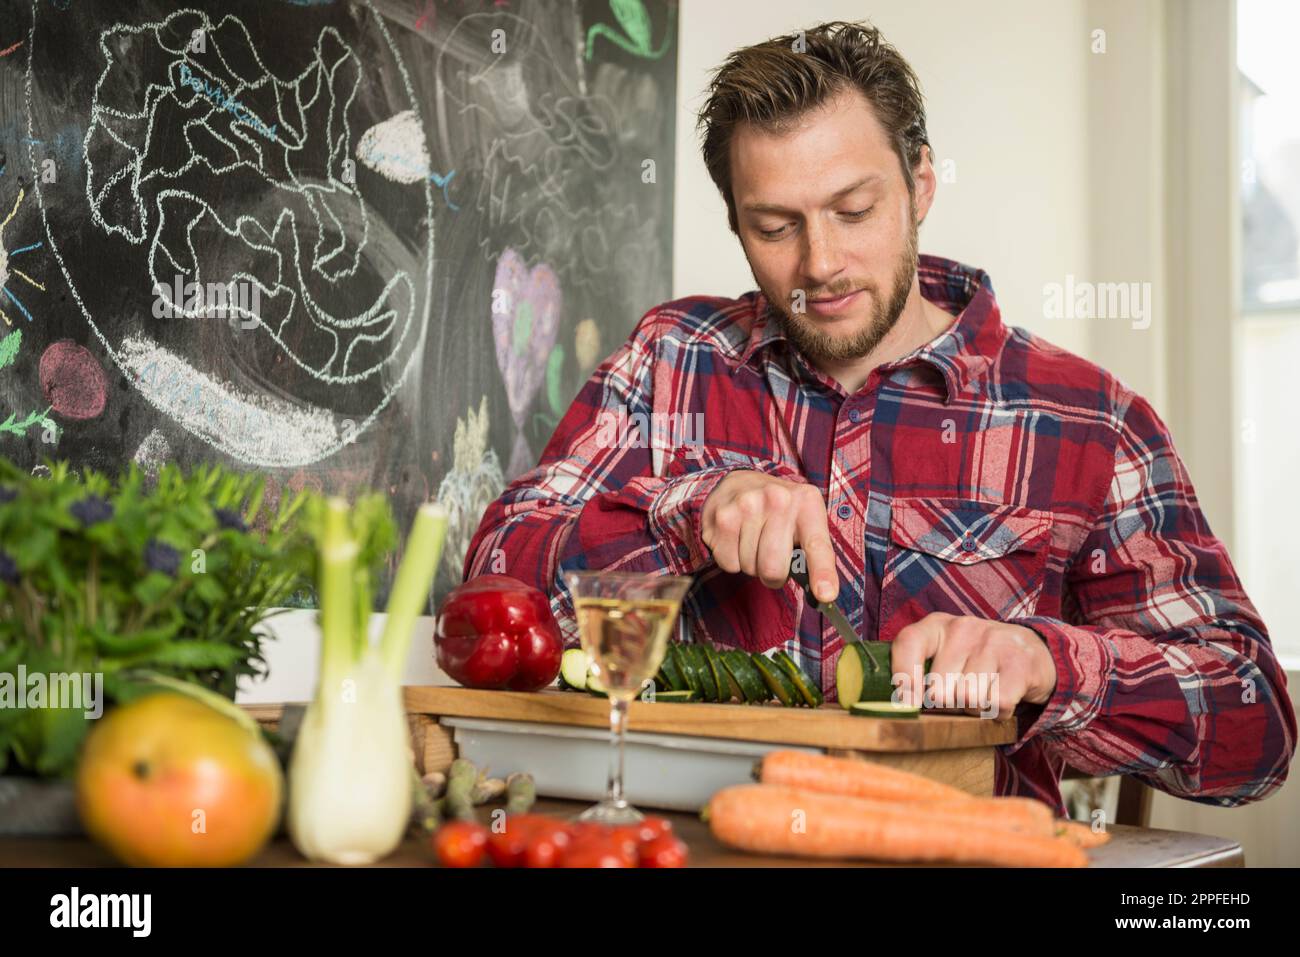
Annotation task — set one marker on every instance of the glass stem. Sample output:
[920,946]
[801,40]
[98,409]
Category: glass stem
[617,727]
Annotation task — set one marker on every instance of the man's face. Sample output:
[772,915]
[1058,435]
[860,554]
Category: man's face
[824,208]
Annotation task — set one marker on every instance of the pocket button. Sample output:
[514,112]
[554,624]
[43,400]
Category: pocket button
[968,543]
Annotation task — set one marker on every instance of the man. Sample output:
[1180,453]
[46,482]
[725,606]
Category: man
[960,488]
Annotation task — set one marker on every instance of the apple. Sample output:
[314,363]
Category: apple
[169,781]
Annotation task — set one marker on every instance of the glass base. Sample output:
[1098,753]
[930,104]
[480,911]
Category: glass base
[609,812]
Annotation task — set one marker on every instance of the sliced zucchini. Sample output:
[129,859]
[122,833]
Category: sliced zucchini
[748,677]
[574,665]
[708,687]
[594,685]
[674,696]
[863,673]
[720,676]
[884,709]
[808,690]
[685,662]
[776,679]
[736,692]
[672,674]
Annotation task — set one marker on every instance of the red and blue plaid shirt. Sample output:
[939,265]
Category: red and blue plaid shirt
[987,473]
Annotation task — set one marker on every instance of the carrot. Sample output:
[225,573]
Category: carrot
[1081,835]
[1007,813]
[852,776]
[776,819]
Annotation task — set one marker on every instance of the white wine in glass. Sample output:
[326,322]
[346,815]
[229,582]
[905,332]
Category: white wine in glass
[624,621]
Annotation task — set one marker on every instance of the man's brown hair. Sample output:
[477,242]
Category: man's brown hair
[772,84]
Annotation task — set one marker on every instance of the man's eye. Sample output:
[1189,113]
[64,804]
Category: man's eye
[772,233]
[859,214]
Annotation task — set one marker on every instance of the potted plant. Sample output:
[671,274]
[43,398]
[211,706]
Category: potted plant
[106,584]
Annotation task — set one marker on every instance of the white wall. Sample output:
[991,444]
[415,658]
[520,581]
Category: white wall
[1006,91]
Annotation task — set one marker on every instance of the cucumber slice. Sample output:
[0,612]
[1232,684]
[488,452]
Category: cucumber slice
[685,662]
[672,674]
[720,676]
[574,665]
[708,687]
[747,676]
[776,679]
[593,683]
[674,696]
[808,690]
[884,709]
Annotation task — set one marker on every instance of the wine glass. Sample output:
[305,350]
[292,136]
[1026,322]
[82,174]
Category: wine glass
[624,620]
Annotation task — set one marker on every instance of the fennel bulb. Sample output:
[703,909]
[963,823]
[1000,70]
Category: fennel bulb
[351,773]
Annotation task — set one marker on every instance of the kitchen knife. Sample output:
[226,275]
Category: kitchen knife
[828,608]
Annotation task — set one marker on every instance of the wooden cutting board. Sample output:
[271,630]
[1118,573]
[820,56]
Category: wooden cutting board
[829,727]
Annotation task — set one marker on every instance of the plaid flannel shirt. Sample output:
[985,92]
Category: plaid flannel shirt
[987,473]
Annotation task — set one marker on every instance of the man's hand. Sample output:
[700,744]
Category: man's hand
[751,522]
[967,646]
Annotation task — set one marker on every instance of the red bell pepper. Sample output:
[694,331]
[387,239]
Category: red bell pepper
[496,632]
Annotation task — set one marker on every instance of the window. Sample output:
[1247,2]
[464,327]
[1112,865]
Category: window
[1267,333]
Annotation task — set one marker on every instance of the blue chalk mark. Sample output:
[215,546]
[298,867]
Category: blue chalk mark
[441,182]
[25,249]
[14,299]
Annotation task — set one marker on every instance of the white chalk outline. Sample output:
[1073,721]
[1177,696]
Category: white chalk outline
[287,458]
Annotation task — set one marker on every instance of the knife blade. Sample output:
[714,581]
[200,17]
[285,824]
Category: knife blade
[828,608]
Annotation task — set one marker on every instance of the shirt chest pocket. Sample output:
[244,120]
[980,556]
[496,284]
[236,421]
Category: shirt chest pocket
[961,557]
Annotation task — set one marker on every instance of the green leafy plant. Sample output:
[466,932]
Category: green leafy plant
[132,579]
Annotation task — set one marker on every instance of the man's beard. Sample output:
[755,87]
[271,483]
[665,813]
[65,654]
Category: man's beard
[818,345]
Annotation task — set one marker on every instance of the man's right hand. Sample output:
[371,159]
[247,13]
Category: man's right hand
[752,522]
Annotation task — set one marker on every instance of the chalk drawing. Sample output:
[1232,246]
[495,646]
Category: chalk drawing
[586,345]
[318,231]
[72,381]
[396,150]
[635,21]
[526,310]
[153,453]
[8,270]
[469,487]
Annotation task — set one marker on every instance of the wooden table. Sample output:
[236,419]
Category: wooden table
[1128,847]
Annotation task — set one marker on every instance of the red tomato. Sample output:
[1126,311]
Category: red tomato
[596,852]
[508,846]
[461,844]
[664,851]
[653,827]
[547,844]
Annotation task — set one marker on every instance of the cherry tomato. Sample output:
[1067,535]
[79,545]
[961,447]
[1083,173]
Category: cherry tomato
[596,852]
[664,851]
[508,845]
[653,827]
[547,844]
[461,844]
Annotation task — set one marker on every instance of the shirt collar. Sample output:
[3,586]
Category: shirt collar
[961,354]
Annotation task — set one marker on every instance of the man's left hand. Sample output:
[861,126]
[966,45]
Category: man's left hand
[976,650]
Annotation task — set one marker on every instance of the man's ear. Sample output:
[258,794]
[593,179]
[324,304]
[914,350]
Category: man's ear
[925,181]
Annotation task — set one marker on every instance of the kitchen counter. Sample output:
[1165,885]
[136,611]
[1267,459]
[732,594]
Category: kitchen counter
[1128,847]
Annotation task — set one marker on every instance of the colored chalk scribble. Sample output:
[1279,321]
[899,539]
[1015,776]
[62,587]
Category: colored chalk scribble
[635,38]
[526,310]
[12,342]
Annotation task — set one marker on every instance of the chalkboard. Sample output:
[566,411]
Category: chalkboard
[344,244]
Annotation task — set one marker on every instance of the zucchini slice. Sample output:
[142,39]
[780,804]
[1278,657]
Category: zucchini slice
[720,676]
[747,676]
[574,665]
[708,687]
[808,690]
[674,696]
[862,673]
[885,709]
[776,679]
[593,683]
[685,663]
[672,674]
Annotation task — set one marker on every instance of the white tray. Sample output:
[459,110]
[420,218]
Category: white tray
[667,771]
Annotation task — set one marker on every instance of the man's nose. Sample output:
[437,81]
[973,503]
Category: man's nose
[822,257]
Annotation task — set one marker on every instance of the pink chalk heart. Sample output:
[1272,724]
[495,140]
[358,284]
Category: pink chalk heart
[525,321]
[72,381]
